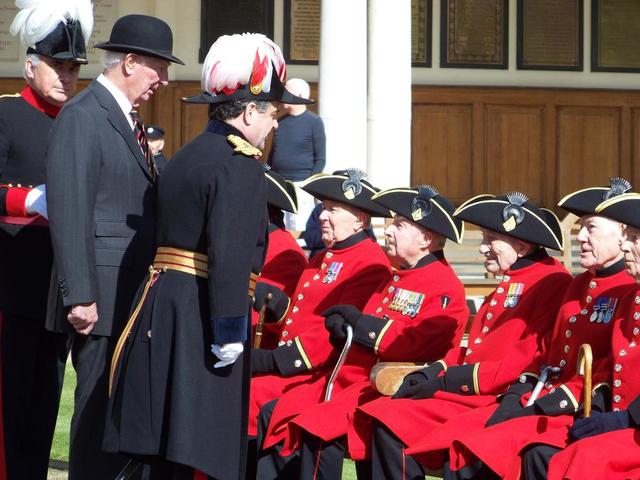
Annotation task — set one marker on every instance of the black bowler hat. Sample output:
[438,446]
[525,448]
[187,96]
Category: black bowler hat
[346,186]
[154,132]
[281,193]
[55,29]
[246,66]
[623,208]
[584,202]
[425,206]
[141,34]
[513,215]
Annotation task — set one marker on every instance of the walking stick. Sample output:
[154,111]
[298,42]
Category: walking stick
[129,470]
[339,363]
[585,361]
[544,373]
[257,339]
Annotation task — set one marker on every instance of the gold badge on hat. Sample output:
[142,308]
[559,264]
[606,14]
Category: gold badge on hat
[244,147]
[513,213]
[352,186]
[421,205]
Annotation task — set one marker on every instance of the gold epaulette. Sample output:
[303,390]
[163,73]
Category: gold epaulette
[244,147]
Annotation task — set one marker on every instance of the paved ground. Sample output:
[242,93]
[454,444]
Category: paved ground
[57,474]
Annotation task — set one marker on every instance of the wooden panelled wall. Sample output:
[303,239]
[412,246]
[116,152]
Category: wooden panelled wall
[470,140]
[545,142]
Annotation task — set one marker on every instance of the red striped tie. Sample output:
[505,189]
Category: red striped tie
[141,136]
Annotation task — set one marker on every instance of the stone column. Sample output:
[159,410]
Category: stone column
[389,99]
[343,82]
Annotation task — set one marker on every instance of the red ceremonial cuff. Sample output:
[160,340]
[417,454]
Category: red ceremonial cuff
[15,199]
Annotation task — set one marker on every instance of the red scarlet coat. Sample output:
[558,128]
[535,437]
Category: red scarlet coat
[393,336]
[503,341]
[613,455]
[304,351]
[283,265]
[499,446]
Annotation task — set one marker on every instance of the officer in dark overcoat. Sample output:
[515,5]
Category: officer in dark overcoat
[180,373]
[33,359]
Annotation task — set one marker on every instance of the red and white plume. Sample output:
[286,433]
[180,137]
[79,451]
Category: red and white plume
[38,18]
[236,60]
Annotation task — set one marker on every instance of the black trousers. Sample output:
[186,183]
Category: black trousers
[91,356]
[535,461]
[388,460]
[320,460]
[269,465]
[477,471]
[33,361]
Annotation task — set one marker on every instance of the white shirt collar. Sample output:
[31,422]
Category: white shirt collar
[120,98]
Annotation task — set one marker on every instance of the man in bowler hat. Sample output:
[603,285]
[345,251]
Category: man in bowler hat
[101,203]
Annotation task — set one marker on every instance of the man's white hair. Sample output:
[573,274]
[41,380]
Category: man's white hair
[34,58]
[298,87]
[111,59]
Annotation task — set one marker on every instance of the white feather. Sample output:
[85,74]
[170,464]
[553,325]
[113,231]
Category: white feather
[38,18]
[229,62]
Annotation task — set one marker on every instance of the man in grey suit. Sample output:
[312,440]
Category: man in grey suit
[101,200]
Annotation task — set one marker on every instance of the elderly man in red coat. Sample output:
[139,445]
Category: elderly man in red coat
[508,333]
[607,445]
[417,313]
[285,260]
[589,310]
[347,272]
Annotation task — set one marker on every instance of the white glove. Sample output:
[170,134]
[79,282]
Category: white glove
[36,201]
[227,353]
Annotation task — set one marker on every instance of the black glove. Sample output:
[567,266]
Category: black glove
[600,423]
[336,326]
[417,386]
[509,405]
[276,307]
[350,313]
[262,361]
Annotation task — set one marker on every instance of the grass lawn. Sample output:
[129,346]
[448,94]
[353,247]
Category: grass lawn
[60,449]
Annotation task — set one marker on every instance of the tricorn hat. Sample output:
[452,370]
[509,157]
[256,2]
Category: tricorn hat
[141,34]
[346,186]
[425,206]
[513,215]
[58,29]
[281,193]
[623,208]
[246,66]
[584,202]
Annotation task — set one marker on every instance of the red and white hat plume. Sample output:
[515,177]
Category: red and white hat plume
[38,18]
[237,60]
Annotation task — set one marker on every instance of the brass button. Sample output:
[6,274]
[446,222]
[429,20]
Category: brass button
[329,255]
[281,343]
[148,333]
[592,284]
[493,303]
[372,335]
[396,278]
[500,290]
[489,316]
[572,319]
[617,367]
[563,404]
[300,296]
[297,363]
[617,382]
[306,284]
[391,289]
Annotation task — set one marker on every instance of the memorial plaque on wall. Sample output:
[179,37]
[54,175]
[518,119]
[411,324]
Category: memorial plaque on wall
[224,17]
[105,14]
[615,30]
[421,33]
[302,31]
[550,34]
[474,34]
[9,45]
